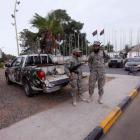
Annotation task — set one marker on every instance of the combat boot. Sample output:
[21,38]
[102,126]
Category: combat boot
[74,102]
[100,99]
[90,98]
[81,98]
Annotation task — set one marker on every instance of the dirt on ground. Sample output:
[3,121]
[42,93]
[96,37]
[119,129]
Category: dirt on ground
[15,106]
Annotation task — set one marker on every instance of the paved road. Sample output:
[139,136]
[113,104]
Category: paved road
[128,126]
[120,71]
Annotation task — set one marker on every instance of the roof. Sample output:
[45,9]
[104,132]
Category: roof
[135,48]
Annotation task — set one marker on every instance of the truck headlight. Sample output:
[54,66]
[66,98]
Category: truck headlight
[126,65]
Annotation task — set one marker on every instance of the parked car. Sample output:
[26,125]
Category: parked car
[132,63]
[115,62]
[36,72]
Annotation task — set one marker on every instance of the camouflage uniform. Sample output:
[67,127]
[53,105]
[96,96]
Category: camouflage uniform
[97,72]
[75,81]
[75,77]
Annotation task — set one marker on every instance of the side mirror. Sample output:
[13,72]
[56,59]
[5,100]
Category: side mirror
[7,65]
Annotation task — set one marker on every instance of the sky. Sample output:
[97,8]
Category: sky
[119,18]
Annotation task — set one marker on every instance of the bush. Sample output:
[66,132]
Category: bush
[1,65]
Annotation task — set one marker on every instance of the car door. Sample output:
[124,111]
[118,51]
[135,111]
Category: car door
[15,70]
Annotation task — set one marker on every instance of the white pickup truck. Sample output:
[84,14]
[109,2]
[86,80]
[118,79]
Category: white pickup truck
[36,72]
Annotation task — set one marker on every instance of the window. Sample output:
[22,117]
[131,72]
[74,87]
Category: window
[49,60]
[38,59]
[30,61]
[44,59]
[17,62]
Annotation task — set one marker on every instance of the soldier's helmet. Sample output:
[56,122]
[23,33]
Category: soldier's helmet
[96,43]
[76,50]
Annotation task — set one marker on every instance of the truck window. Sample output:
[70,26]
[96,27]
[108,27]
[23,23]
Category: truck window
[30,61]
[49,60]
[34,60]
[17,62]
[22,61]
[46,60]
[37,60]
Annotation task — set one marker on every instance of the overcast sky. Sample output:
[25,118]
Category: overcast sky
[118,16]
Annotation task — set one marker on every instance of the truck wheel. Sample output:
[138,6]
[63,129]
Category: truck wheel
[8,80]
[27,88]
[120,65]
[110,66]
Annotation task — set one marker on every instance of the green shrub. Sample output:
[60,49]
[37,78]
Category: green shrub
[1,65]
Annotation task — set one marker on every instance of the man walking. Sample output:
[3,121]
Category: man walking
[75,74]
[97,71]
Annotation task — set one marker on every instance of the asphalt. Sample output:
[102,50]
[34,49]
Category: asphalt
[119,71]
[67,122]
[128,126]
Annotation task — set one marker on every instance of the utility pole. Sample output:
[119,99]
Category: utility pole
[15,23]
[116,41]
[131,37]
[138,42]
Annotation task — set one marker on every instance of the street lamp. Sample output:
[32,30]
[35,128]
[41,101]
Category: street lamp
[15,23]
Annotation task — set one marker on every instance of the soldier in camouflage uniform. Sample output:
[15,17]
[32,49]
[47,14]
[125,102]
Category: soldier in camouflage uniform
[97,70]
[75,76]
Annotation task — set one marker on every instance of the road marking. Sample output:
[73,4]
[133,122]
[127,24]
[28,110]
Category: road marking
[110,119]
[133,94]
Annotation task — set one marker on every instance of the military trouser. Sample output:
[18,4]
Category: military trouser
[76,85]
[96,76]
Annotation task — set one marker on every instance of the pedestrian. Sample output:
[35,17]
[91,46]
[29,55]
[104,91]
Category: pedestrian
[97,70]
[74,73]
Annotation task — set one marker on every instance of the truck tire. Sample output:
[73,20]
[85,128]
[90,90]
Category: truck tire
[109,65]
[120,65]
[8,81]
[27,89]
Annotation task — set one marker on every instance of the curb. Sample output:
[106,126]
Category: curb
[112,117]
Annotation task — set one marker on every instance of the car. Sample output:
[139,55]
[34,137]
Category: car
[116,62]
[36,72]
[132,63]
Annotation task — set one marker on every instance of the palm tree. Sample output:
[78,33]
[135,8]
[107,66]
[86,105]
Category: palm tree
[55,26]
[49,23]
[49,26]
[39,22]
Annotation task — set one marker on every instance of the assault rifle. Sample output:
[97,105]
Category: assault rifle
[74,68]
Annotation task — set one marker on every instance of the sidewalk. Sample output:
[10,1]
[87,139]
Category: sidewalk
[66,122]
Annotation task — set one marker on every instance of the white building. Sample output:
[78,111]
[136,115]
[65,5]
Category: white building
[135,52]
